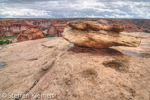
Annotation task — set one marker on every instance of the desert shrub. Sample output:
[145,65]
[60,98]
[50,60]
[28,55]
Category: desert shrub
[148,32]
[44,29]
[1,42]
[7,41]
[10,41]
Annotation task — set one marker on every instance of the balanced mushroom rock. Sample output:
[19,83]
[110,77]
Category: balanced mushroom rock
[98,35]
[32,33]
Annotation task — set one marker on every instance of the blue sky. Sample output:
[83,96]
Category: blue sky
[75,9]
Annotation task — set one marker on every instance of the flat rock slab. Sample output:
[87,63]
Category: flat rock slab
[76,73]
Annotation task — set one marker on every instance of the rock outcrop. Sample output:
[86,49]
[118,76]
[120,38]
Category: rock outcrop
[57,27]
[32,33]
[42,23]
[143,24]
[14,27]
[1,33]
[129,27]
[95,35]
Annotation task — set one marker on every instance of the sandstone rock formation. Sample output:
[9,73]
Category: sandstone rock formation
[1,33]
[42,23]
[129,27]
[57,27]
[14,27]
[32,33]
[50,66]
[143,24]
[95,35]
[56,30]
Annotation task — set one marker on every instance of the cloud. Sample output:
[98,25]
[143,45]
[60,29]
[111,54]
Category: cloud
[75,8]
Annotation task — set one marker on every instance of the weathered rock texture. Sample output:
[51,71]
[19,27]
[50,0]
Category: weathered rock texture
[14,27]
[129,27]
[143,24]
[95,35]
[57,27]
[50,66]
[32,33]
[1,33]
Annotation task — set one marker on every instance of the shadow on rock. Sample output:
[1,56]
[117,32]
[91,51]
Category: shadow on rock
[93,51]
[89,73]
[121,66]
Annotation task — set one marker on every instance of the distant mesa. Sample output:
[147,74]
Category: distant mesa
[99,35]
[32,33]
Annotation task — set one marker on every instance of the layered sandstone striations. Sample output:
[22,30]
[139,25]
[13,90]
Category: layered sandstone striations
[143,24]
[32,33]
[14,27]
[95,35]
[129,27]
[1,33]
[42,23]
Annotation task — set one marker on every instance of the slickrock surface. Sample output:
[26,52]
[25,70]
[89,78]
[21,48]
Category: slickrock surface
[51,66]
[95,35]
[32,33]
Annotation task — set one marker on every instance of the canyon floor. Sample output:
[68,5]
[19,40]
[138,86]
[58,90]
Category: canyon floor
[54,66]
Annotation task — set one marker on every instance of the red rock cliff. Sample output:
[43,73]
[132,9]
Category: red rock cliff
[57,27]
[32,33]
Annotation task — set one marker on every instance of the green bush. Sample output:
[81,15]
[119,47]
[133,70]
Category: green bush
[7,41]
[10,42]
[1,42]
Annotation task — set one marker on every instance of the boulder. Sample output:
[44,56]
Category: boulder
[95,35]
[32,33]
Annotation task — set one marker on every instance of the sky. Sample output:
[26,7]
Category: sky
[75,9]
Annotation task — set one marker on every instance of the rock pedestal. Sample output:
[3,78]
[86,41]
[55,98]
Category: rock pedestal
[99,35]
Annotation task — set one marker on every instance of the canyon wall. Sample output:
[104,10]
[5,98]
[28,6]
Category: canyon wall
[141,23]
[14,27]
[9,27]
[57,27]
[42,23]
[129,27]
[1,33]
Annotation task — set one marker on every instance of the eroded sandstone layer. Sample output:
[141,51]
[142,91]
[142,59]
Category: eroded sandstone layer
[96,35]
[32,33]
[51,66]
[57,27]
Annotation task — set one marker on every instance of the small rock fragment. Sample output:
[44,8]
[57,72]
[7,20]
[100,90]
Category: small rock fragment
[48,64]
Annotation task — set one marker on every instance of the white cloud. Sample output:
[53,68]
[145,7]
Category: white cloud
[75,8]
